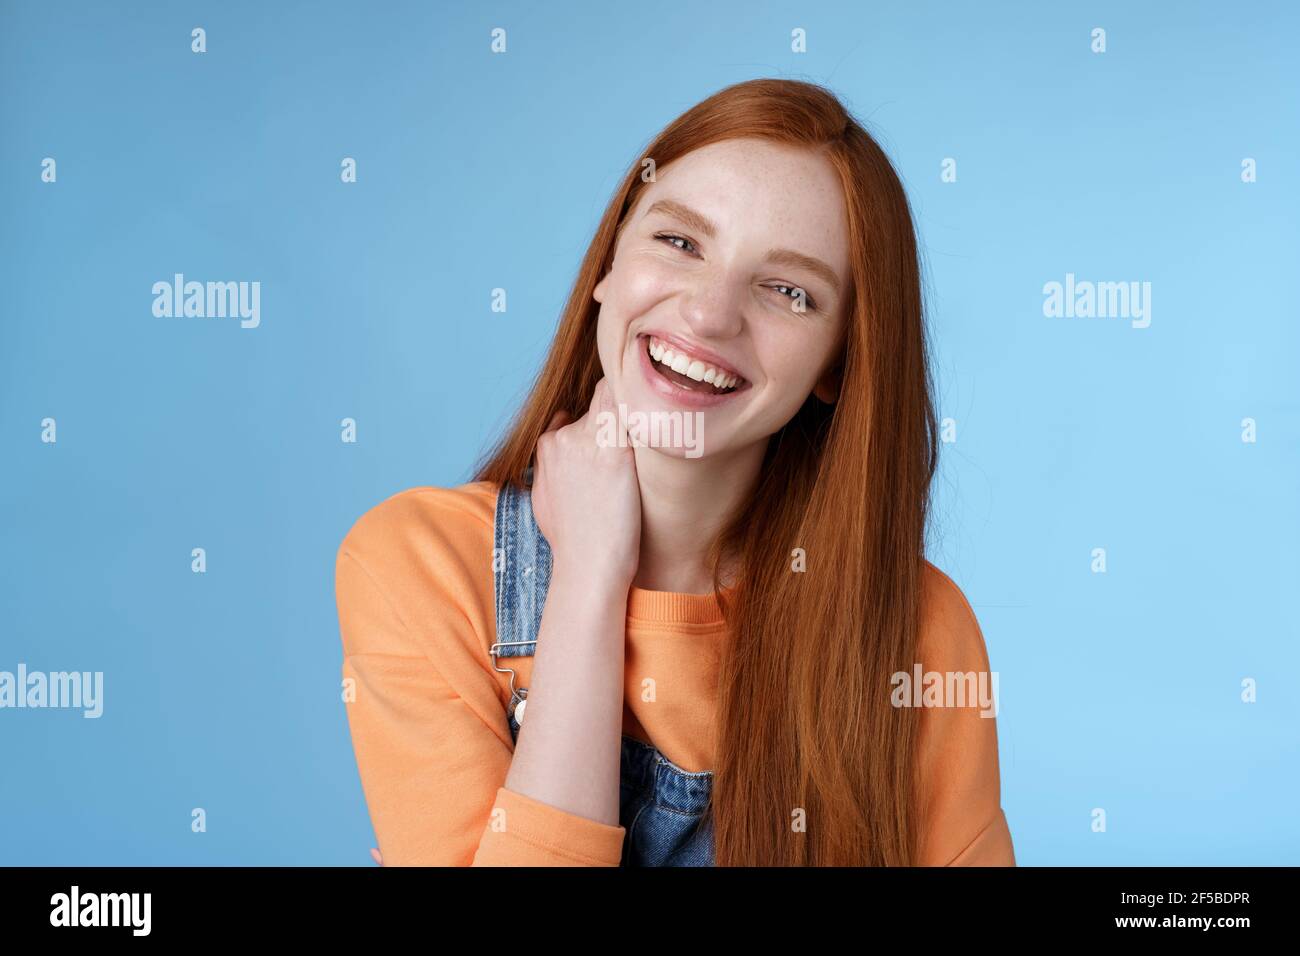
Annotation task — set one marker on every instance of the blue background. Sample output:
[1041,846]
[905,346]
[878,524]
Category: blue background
[476,171]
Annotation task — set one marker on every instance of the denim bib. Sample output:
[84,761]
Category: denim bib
[662,807]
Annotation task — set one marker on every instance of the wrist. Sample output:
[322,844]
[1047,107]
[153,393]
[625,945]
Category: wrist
[609,578]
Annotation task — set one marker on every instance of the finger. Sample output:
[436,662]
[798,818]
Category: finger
[376,856]
[558,420]
[602,400]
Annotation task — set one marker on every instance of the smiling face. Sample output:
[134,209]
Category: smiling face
[731,269]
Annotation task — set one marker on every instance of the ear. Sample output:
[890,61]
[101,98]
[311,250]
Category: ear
[598,292]
[827,388]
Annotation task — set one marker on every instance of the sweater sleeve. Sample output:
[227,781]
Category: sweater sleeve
[962,821]
[432,762]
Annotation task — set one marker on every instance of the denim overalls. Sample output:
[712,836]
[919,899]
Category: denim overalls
[662,807]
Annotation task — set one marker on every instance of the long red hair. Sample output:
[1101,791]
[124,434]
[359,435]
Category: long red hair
[813,765]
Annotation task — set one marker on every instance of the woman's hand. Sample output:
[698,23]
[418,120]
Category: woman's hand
[585,494]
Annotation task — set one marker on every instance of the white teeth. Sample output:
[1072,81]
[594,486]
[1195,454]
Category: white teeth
[695,369]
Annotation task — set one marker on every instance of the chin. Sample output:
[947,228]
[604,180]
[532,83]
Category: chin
[664,427]
[694,453]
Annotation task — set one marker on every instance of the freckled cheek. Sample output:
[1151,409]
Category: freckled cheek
[789,371]
[641,286]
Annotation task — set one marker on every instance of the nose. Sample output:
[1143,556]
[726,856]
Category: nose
[712,307]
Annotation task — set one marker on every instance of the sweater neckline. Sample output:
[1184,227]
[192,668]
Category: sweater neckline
[672,607]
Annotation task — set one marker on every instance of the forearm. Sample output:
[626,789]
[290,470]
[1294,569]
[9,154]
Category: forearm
[569,745]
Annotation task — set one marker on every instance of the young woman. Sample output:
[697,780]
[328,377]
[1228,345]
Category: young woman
[610,649]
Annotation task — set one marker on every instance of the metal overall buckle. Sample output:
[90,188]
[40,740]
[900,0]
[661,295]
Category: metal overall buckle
[518,696]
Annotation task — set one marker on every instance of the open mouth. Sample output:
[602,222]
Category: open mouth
[688,372]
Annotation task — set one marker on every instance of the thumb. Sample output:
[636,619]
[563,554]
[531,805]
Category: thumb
[603,421]
[558,420]
[602,400]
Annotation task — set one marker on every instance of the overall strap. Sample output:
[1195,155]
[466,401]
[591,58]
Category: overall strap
[521,565]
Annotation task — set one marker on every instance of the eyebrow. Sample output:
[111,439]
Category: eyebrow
[785,257]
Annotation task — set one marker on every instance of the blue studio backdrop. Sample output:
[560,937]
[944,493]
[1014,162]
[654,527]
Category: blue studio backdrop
[1117,496]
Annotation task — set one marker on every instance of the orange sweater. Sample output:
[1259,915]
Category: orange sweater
[428,716]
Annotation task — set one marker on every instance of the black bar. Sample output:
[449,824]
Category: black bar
[515,907]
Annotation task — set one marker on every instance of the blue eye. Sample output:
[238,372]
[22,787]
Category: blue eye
[796,290]
[673,240]
[793,295]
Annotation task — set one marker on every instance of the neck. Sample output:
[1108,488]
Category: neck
[684,503]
